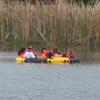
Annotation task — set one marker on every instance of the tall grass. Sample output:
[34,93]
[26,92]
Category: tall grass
[59,23]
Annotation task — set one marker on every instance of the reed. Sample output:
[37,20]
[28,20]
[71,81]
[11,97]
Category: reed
[59,23]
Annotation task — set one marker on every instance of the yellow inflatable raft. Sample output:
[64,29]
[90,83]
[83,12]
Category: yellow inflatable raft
[20,60]
[63,60]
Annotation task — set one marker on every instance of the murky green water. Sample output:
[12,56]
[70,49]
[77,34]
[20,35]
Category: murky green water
[51,82]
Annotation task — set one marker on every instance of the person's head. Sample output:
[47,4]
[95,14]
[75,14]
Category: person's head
[43,49]
[56,51]
[71,52]
[22,50]
[30,48]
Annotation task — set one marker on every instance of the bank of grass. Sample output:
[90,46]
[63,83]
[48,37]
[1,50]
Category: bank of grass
[53,24]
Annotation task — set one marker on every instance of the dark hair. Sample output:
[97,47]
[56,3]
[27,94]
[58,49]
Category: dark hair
[49,55]
[43,49]
[22,50]
[55,50]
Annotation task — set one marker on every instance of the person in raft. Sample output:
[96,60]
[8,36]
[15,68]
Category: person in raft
[29,55]
[70,54]
[21,52]
[56,53]
[44,53]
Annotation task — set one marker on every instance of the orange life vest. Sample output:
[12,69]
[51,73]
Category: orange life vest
[43,56]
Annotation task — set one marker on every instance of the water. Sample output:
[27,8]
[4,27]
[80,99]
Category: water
[50,82]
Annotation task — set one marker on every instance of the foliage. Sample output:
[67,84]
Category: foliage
[62,23]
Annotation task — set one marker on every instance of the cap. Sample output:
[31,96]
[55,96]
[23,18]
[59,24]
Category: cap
[30,47]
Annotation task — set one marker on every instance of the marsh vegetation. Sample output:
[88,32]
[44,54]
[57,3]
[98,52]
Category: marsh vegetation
[59,23]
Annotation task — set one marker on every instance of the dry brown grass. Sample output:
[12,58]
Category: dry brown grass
[61,22]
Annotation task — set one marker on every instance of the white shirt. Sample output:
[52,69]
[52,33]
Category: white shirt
[29,55]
